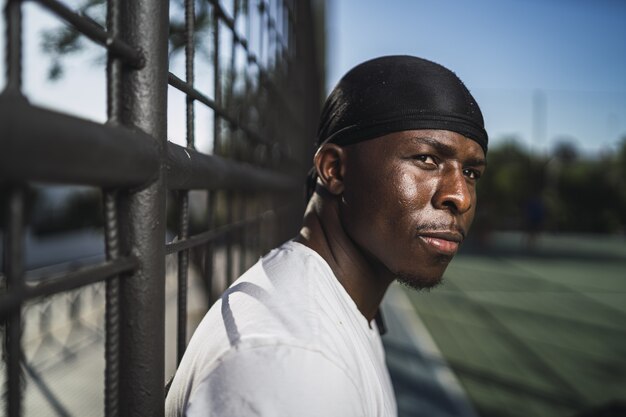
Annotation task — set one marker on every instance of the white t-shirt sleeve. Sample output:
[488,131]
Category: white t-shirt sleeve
[275,381]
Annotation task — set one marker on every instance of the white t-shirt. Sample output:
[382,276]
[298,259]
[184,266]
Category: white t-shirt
[285,339]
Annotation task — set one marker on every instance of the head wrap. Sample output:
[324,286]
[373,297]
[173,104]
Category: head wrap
[395,93]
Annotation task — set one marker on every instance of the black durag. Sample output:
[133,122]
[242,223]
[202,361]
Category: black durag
[395,93]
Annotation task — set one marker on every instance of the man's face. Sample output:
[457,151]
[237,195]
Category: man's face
[409,199]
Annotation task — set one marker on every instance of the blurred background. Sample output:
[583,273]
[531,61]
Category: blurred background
[530,318]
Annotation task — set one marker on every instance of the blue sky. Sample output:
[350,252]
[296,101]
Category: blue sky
[542,70]
[561,62]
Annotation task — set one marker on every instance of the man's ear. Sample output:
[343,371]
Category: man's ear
[330,164]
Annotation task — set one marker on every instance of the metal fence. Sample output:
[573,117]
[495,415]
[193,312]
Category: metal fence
[266,84]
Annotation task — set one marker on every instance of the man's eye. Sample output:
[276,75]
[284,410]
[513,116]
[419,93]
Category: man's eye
[472,174]
[427,159]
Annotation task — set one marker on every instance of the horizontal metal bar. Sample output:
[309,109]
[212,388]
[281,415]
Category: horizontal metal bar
[95,32]
[212,235]
[188,89]
[199,239]
[43,145]
[188,169]
[65,149]
[65,282]
[195,94]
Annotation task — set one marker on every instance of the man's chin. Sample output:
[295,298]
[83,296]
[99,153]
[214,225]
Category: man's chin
[418,282]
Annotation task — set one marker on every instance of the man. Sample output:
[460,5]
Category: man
[401,146]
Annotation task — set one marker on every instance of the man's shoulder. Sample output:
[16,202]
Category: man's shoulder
[293,264]
[291,286]
[284,296]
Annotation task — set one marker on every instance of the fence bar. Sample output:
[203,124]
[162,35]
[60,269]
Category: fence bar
[65,149]
[243,238]
[183,221]
[65,281]
[189,69]
[188,169]
[142,216]
[220,112]
[111,225]
[230,196]
[183,268]
[93,31]
[214,234]
[13,256]
[112,310]
[40,152]
[13,21]
[14,271]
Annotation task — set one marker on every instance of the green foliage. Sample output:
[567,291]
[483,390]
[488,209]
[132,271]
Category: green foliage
[64,41]
[577,193]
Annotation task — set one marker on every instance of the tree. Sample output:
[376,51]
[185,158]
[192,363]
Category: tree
[65,41]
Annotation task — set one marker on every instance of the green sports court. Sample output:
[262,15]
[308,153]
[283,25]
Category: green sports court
[534,331]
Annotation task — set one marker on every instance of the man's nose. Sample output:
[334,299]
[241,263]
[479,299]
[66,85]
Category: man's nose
[453,192]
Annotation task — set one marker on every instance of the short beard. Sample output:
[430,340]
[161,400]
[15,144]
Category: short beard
[417,283]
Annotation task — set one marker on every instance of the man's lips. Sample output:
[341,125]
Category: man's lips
[443,242]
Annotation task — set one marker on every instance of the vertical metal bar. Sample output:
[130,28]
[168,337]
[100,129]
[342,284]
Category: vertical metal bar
[260,232]
[284,27]
[213,195]
[261,32]
[234,72]
[208,249]
[293,35]
[217,144]
[112,285]
[183,268]
[242,235]
[233,45]
[14,272]
[14,222]
[112,311]
[183,225]
[230,196]
[189,68]
[277,42]
[278,23]
[229,238]
[248,81]
[245,247]
[144,26]
[13,21]
[251,95]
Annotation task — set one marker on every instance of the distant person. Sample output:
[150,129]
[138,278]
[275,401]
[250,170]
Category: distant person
[534,211]
[401,146]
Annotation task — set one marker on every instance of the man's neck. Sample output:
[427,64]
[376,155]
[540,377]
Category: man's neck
[322,231]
